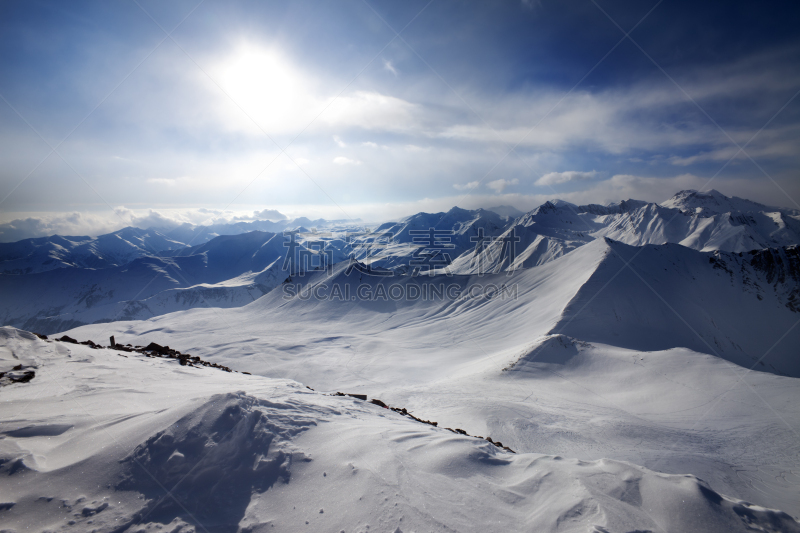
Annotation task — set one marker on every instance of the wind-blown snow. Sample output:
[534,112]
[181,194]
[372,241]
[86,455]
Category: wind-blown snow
[103,441]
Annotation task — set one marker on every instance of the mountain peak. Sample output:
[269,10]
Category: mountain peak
[710,202]
[551,206]
[506,211]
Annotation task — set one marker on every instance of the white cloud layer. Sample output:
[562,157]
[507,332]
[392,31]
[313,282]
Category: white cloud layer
[500,185]
[466,186]
[93,224]
[554,178]
[341,160]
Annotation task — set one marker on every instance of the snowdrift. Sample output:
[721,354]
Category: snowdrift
[230,452]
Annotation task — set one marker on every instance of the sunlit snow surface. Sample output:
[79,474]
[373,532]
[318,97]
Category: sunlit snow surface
[111,441]
[663,336]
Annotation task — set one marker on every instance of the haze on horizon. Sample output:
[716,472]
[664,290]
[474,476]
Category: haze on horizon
[128,112]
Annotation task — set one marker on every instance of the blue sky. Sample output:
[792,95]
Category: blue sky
[322,109]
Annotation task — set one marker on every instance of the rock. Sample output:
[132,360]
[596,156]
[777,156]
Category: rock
[70,340]
[153,347]
[24,378]
[359,396]
[378,402]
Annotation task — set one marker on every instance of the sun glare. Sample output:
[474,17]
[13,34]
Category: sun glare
[264,85]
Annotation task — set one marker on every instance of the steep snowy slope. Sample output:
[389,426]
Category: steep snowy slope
[732,306]
[736,306]
[395,245]
[546,233]
[102,440]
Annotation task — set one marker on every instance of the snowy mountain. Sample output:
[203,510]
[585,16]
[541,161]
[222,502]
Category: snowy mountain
[580,383]
[730,231]
[136,274]
[394,245]
[223,451]
[506,211]
[113,249]
[713,202]
[123,246]
[227,271]
[638,378]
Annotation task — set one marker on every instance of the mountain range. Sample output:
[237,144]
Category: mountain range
[50,284]
[626,367]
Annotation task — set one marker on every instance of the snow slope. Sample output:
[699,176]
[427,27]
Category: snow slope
[102,440]
[735,306]
[652,395]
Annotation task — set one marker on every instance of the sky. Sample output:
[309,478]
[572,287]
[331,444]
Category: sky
[145,112]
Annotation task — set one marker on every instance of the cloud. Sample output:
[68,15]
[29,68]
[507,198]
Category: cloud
[341,160]
[169,182]
[80,224]
[388,66]
[375,111]
[94,224]
[429,139]
[370,144]
[554,178]
[500,185]
[466,186]
[614,189]
[269,214]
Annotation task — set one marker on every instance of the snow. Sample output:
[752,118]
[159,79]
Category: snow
[711,202]
[640,359]
[103,440]
[241,261]
[629,387]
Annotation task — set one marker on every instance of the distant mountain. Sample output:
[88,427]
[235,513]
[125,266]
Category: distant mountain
[134,273]
[120,247]
[506,211]
[227,271]
[113,249]
[713,202]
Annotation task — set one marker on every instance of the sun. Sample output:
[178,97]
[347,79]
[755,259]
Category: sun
[264,85]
